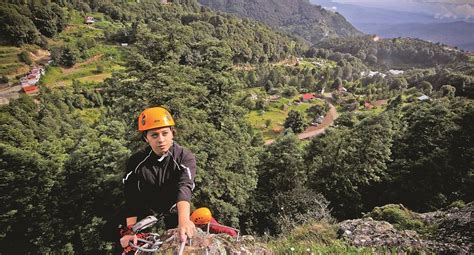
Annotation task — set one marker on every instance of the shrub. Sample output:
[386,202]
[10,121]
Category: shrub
[4,79]
[457,204]
[398,215]
[25,57]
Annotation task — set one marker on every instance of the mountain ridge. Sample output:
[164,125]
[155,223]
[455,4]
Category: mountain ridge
[302,19]
[396,23]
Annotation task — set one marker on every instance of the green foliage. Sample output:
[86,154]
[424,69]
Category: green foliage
[17,28]
[295,121]
[315,111]
[393,53]
[4,79]
[68,57]
[282,200]
[398,215]
[433,155]
[62,154]
[457,204]
[60,180]
[344,163]
[300,18]
[25,57]
[318,237]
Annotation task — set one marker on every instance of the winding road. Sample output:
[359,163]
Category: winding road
[312,131]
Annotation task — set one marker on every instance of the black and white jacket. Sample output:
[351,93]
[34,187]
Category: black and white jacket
[158,182]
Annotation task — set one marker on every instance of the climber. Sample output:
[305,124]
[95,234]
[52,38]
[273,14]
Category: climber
[159,179]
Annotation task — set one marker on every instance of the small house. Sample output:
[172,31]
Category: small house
[342,89]
[274,98]
[423,98]
[368,106]
[30,89]
[307,97]
[89,20]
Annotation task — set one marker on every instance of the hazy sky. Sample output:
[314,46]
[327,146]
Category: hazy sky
[438,8]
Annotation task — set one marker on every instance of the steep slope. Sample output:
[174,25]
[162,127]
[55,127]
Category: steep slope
[299,18]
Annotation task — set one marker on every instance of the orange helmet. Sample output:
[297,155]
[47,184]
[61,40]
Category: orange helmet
[201,216]
[155,117]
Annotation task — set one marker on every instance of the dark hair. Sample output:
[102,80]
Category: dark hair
[173,130]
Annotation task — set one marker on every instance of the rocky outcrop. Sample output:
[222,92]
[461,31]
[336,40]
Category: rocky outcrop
[203,243]
[373,233]
[452,232]
[454,226]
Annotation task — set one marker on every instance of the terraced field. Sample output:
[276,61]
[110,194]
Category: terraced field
[10,63]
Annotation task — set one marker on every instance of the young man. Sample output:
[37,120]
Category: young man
[160,178]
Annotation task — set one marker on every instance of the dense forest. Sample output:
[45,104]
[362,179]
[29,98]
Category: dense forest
[300,18]
[62,152]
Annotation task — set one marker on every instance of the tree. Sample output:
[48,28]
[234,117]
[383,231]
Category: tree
[426,173]
[371,59]
[17,28]
[4,79]
[426,87]
[289,91]
[69,56]
[345,163]
[448,91]
[315,111]
[295,121]
[45,20]
[281,170]
[337,84]
[399,83]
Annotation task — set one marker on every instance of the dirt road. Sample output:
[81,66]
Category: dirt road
[312,131]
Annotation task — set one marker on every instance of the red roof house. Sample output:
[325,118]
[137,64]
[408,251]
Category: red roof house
[30,89]
[368,106]
[307,97]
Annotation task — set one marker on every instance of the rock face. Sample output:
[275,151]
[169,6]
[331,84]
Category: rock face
[203,243]
[372,233]
[452,233]
[454,226]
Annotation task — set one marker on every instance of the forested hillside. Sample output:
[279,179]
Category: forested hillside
[299,18]
[63,151]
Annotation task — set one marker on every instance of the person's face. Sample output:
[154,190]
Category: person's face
[160,139]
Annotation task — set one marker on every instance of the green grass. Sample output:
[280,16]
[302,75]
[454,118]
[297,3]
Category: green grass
[109,58]
[304,247]
[314,238]
[56,76]
[277,115]
[9,60]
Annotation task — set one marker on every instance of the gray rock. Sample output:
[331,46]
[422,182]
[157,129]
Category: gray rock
[381,234]
[203,243]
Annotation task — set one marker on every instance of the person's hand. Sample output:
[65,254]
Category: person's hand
[186,229]
[125,240]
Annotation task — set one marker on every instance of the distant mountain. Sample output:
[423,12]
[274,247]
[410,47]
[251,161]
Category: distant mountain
[361,16]
[389,23]
[297,17]
[459,34]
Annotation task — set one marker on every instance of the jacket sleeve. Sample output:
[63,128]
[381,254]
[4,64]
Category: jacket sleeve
[130,181]
[186,180]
